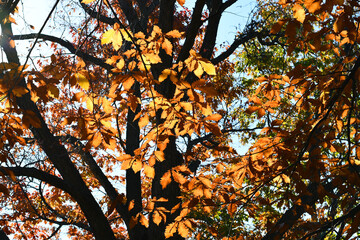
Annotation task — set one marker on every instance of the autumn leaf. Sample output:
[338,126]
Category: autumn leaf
[214,117]
[277,26]
[208,67]
[312,5]
[165,179]
[299,13]
[170,229]
[82,81]
[149,171]
[181,2]
[87,1]
[160,156]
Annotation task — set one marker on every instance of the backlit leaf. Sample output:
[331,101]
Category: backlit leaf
[299,13]
[87,1]
[165,179]
[82,81]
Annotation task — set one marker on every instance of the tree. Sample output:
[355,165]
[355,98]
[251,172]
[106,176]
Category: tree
[144,91]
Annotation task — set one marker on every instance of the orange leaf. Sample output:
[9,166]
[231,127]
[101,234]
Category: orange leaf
[165,179]
[149,171]
[160,156]
[127,84]
[181,2]
[261,112]
[170,230]
[251,109]
[183,230]
[136,166]
[157,218]
[214,117]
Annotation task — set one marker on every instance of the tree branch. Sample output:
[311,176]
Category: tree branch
[192,30]
[38,174]
[68,45]
[97,15]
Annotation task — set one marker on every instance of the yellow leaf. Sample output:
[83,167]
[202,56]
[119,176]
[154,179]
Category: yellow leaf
[198,71]
[208,67]
[90,104]
[120,64]
[82,81]
[299,13]
[87,1]
[164,74]
[107,36]
[160,156]
[124,157]
[117,40]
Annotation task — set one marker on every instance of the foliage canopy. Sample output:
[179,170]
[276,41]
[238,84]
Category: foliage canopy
[127,130]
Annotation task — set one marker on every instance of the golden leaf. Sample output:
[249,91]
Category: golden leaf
[143,121]
[167,46]
[82,81]
[143,220]
[208,67]
[87,1]
[183,230]
[127,84]
[136,166]
[160,156]
[149,171]
[299,13]
[107,36]
[96,139]
[90,104]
